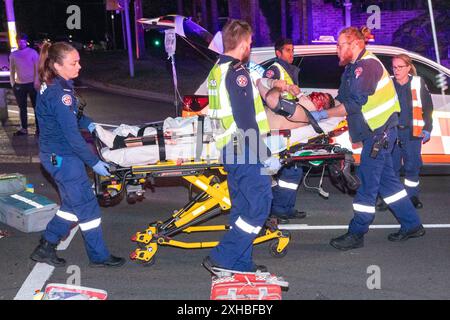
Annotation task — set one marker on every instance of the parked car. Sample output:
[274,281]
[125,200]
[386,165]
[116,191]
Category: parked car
[319,71]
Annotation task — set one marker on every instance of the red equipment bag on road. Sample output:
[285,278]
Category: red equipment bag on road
[247,286]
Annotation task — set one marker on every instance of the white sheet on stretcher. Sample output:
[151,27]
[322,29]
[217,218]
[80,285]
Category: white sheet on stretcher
[184,147]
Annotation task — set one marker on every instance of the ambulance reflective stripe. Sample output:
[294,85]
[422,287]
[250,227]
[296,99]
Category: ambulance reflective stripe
[284,75]
[411,184]
[90,225]
[418,122]
[363,208]
[246,227]
[287,185]
[67,216]
[220,105]
[384,102]
[394,198]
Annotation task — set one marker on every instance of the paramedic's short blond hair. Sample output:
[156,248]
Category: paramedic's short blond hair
[234,32]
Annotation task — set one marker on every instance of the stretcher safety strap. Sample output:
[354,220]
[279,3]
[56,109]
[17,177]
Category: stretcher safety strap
[90,225]
[67,216]
[363,208]
[399,195]
[411,184]
[248,228]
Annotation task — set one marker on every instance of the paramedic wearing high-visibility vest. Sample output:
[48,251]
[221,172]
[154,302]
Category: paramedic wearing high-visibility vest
[368,95]
[64,153]
[235,103]
[289,177]
[415,123]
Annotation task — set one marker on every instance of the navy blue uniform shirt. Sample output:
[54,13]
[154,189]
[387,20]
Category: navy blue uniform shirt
[56,111]
[240,91]
[274,73]
[358,82]
[405,98]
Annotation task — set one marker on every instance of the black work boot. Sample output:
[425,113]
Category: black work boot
[348,241]
[112,262]
[46,252]
[405,235]
[416,202]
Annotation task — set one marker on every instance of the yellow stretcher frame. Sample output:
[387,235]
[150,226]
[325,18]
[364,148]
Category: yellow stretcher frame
[214,198]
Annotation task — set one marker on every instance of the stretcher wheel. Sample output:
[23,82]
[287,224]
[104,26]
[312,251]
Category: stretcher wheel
[274,252]
[147,264]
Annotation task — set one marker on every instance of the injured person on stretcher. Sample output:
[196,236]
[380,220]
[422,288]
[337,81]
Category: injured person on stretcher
[177,139]
[290,114]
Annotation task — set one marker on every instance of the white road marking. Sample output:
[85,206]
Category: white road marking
[345,227]
[41,273]
[29,114]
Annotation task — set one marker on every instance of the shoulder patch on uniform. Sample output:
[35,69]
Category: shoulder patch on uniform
[269,73]
[358,72]
[67,99]
[242,81]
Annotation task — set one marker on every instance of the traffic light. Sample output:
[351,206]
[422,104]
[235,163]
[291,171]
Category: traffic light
[156,43]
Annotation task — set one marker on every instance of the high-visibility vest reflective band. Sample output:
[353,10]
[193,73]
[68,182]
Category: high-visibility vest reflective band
[384,102]
[220,105]
[417,106]
[284,75]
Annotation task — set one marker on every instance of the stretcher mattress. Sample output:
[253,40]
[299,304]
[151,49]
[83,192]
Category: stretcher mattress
[181,141]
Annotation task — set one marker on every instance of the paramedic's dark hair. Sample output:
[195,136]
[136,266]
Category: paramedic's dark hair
[234,32]
[331,99]
[51,54]
[281,43]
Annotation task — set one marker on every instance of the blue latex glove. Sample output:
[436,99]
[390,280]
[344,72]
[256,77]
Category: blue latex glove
[91,127]
[272,165]
[102,168]
[426,135]
[319,115]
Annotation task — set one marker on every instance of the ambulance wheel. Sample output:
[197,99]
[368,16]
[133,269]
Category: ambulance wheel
[274,252]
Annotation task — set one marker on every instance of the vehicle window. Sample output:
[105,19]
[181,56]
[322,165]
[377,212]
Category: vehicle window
[429,76]
[319,71]
[426,72]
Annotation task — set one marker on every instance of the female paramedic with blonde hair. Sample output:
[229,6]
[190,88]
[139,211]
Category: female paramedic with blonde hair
[63,154]
[415,123]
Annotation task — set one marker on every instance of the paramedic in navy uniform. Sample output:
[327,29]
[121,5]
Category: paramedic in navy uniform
[415,123]
[289,177]
[368,95]
[234,100]
[64,154]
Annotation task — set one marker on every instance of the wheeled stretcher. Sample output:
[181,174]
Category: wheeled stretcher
[203,171]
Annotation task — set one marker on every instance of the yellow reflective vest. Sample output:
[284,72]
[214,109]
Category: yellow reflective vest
[384,102]
[220,105]
[284,75]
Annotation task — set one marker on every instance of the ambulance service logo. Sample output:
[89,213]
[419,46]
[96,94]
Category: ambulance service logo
[67,100]
[358,72]
[242,81]
[270,74]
